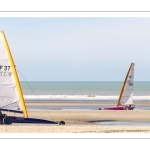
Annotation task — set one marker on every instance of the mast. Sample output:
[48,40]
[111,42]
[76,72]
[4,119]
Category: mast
[122,89]
[15,76]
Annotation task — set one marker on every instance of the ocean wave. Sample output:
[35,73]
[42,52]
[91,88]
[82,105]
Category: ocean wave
[68,97]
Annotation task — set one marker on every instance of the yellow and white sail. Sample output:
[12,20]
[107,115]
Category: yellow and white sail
[126,94]
[11,97]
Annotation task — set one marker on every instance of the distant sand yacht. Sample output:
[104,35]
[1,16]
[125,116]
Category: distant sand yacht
[125,101]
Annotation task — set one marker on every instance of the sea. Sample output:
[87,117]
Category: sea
[100,88]
[87,91]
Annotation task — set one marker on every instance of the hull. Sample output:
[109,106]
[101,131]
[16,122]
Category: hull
[28,120]
[120,108]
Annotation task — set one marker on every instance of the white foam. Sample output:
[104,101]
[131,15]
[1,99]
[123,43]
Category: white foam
[81,97]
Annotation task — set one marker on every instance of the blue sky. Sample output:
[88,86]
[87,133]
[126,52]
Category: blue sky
[79,49]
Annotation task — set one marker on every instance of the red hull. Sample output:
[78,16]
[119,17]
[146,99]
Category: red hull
[120,108]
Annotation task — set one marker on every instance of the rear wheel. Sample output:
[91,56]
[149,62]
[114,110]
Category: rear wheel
[7,120]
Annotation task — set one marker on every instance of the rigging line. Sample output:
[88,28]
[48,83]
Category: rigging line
[34,93]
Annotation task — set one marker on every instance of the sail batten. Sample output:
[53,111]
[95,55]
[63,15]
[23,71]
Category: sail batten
[9,82]
[9,110]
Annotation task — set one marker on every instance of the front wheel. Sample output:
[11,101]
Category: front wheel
[7,120]
[126,108]
[133,107]
[62,123]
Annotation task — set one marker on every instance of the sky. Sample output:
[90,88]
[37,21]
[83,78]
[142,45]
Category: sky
[79,48]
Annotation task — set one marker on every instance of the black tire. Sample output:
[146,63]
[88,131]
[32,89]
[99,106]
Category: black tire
[100,109]
[126,108]
[7,120]
[62,123]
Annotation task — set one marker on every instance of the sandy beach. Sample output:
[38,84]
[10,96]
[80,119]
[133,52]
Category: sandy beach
[82,121]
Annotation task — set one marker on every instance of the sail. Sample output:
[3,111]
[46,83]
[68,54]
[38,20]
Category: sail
[126,95]
[11,98]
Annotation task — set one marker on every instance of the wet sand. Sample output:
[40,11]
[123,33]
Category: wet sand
[86,102]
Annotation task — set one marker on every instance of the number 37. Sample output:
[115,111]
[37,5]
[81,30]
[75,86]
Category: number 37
[6,68]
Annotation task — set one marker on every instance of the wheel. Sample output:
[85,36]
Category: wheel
[100,109]
[61,123]
[7,120]
[126,108]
